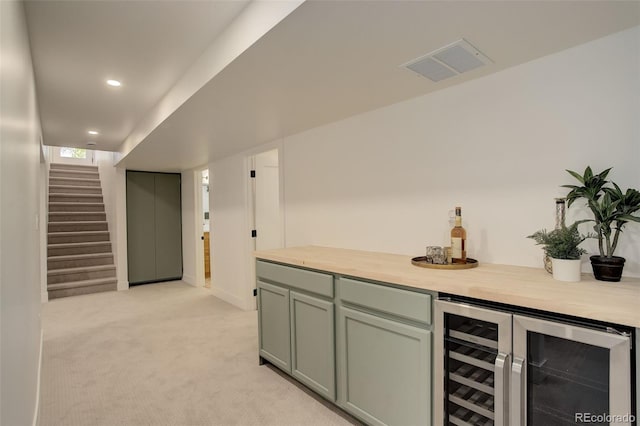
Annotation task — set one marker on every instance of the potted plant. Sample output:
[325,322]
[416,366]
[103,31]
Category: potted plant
[612,209]
[561,245]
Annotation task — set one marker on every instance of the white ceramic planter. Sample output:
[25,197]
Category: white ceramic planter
[566,269]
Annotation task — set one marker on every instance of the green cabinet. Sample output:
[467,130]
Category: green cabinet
[364,345]
[154,227]
[384,353]
[296,324]
[384,369]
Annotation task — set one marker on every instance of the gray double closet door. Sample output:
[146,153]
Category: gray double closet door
[154,227]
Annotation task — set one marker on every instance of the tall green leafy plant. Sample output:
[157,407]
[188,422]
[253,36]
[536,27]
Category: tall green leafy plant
[611,207]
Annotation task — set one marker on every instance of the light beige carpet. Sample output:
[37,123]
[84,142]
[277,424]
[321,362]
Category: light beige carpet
[163,354]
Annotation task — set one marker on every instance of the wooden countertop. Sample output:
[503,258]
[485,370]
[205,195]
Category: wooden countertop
[515,285]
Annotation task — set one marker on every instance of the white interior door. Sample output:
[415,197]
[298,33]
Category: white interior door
[268,223]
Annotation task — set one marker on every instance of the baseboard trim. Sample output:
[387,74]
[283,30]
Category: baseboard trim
[36,413]
[123,285]
[189,279]
[229,298]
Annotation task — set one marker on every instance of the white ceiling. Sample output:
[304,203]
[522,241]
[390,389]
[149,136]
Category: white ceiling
[78,45]
[326,61]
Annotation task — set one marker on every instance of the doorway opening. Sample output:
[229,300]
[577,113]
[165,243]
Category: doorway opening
[206,234]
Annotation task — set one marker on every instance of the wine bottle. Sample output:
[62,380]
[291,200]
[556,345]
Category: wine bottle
[458,240]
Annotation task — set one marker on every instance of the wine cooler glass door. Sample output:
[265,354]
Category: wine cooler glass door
[568,375]
[472,349]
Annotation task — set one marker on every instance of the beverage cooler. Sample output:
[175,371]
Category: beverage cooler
[494,365]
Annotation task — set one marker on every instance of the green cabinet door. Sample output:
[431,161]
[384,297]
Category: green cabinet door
[312,343]
[274,327]
[168,226]
[384,369]
[141,232]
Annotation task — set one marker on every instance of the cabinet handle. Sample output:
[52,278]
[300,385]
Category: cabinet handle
[501,389]
[518,392]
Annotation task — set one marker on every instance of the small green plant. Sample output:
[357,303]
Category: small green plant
[611,207]
[561,243]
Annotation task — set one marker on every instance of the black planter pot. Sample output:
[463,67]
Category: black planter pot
[607,268]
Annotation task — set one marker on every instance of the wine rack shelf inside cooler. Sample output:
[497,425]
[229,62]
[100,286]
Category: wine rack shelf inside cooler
[464,417]
[480,334]
[473,377]
[471,349]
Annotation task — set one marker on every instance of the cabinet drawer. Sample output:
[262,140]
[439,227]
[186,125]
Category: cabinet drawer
[407,304]
[313,282]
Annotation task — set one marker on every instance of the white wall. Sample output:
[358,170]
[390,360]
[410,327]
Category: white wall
[232,262]
[192,264]
[44,215]
[497,146]
[19,236]
[231,245]
[114,191]
[114,188]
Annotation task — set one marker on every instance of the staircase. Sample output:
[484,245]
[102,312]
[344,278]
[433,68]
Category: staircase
[79,256]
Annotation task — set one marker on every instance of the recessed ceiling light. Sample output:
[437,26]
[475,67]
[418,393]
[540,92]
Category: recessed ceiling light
[93,132]
[114,83]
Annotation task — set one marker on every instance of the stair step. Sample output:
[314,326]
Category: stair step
[58,276]
[75,288]
[67,173]
[78,248]
[78,226]
[79,291]
[75,198]
[77,216]
[65,271]
[79,260]
[58,206]
[77,237]
[74,189]
[58,166]
[73,181]
[80,283]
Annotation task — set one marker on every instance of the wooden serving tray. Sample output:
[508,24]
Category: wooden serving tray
[422,262]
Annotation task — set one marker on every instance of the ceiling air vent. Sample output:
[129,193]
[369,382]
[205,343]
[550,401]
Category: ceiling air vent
[448,61]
